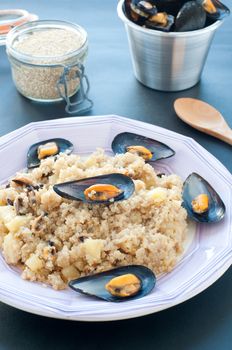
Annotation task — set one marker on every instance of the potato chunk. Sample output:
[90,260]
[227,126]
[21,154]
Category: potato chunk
[11,249]
[15,224]
[7,214]
[70,272]
[158,195]
[34,263]
[93,249]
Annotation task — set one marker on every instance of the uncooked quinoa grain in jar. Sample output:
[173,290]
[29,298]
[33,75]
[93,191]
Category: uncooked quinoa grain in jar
[47,60]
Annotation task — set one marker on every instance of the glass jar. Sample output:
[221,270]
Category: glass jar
[47,61]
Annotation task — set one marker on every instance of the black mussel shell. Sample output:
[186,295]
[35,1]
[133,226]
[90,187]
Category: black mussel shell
[33,161]
[215,9]
[195,185]
[159,150]
[172,7]
[149,23]
[190,17]
[130,14]
[74,190]
[146,7]
[94,285]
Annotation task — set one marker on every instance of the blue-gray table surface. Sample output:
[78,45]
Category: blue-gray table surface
[204,322]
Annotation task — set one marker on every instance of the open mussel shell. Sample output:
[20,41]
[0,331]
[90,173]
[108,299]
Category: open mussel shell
[195,185]
[130,14]
[74,190]
[154,23]
[138,11]
[144,8]
[158,149]
[63,145]
[172,7]
[215,9]
[191,16]
[94,285]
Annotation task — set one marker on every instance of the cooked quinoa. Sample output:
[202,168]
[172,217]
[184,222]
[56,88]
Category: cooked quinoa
[54,240]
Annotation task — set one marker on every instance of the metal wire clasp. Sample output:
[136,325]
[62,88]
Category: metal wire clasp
[82,94]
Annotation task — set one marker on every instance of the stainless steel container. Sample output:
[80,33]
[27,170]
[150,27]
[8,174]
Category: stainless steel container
[167,61]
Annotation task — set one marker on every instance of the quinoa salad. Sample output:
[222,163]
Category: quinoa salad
[54,240]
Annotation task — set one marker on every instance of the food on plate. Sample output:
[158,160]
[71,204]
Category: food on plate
[200,204]
[201,201]
[117,187]
[102,192]
[22,180]
[53,239]
[149,149]
[124,286]
[120,284]
[47,148]
[141,151]
[175,15]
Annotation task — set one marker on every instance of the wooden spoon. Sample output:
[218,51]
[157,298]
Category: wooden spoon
[203,117]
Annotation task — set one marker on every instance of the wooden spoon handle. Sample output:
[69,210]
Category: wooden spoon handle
[225,135]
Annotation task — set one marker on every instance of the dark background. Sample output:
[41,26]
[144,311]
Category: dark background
[204,322]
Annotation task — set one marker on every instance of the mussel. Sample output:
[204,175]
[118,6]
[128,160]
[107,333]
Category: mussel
[215,9]
[134,17]
[120,284]
[149,149]
[202,202]
[160,21]
[191,16]
[98,189]
[172,7]
[138,11]
[46,148]
[188,15]
[144,8]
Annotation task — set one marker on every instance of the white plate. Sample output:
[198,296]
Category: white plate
[206,259]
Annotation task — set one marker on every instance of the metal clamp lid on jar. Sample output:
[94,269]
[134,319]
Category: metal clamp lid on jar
[71,61]
[72,107]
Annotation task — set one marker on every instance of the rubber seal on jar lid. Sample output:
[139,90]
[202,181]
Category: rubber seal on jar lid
[12,18]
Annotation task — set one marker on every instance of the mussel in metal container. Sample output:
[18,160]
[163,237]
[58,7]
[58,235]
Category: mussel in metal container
[47,148]
[191,16]
[160,21]
[151,150]
[134,17]
[101,189]
[144,8]
[138,11]
[188,15]
[172,7]
[215,9]
[202,202]
[120,284]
